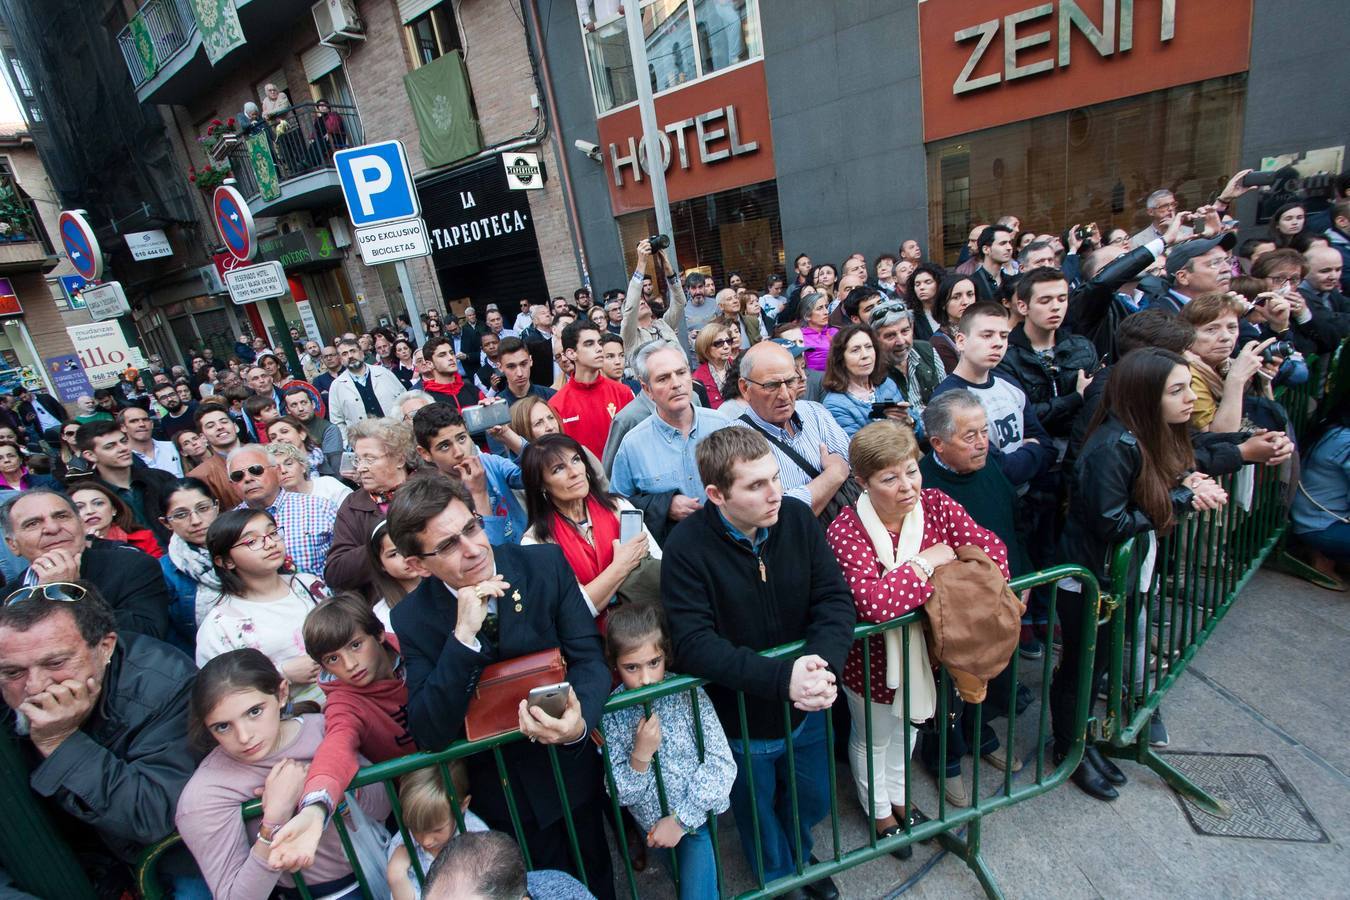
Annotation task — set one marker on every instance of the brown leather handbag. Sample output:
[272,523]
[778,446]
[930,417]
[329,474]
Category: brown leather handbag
[494,708]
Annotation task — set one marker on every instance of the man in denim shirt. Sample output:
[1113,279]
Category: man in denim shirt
[655,467]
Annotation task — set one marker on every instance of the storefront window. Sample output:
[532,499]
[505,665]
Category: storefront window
[1094,164]
[686,39]
[732,231]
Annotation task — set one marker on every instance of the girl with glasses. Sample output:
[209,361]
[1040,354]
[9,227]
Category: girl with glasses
[715,346]
[261,603]
[189,510]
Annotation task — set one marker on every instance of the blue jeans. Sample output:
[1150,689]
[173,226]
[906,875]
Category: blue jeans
[698,871]
[768,762]
[1332,541]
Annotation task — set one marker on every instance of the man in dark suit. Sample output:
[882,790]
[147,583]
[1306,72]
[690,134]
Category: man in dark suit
[43,527]
[468,347]
[478,605]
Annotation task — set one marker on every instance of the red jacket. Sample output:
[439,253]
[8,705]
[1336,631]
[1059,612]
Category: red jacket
[369,722]
[586,410]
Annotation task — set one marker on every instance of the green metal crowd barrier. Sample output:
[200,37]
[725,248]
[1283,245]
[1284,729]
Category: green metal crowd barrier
[1157,627]
[1038,775]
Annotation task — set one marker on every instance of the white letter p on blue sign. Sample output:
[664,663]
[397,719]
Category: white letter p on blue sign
[377,184]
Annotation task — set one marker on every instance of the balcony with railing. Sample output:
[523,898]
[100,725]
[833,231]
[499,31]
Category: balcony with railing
[287,164]
[24,244]
[166,55]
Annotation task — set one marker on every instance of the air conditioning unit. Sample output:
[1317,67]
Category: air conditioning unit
[337,21]
[296,221]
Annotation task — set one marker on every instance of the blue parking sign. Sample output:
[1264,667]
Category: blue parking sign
[377,184]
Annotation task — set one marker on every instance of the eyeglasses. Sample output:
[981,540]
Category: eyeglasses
[60,591]
[774,387]
[722,342]
[454,543]
[200,511]
[367,461]
[255,470]
[889,308]
[272,535]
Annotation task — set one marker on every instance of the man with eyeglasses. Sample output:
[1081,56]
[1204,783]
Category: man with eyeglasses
[304,520]
[1161,207]
[477,605]
[332,368]
[105,446]
[101,718]
[43,528]
[1194,267]
[654,465]
[810,447]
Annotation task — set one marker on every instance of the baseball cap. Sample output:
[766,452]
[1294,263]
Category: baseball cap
[790,346]
[1186,251]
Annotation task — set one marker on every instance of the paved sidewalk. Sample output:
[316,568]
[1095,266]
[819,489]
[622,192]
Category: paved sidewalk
[1272,681]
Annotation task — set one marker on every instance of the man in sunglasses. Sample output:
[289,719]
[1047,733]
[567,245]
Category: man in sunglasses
[304,520]
[479,604]
[101,717]
[43,527]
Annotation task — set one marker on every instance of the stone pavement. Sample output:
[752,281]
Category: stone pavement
[1272,681]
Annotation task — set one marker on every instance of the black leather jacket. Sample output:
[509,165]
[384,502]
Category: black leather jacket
[1052,387]
[1102,510]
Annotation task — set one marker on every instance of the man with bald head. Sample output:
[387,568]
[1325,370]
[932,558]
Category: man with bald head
[305,520]
[1321,289]
[810,447]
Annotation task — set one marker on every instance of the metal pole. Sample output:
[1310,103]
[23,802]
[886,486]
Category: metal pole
[410,301]
[284,338]
[651,131]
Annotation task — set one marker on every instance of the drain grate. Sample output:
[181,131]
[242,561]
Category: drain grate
[1265,805]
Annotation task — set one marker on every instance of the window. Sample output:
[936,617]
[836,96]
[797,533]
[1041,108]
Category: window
[23,89]
[686,40]
[334,88]
[432,34]
[1093,164]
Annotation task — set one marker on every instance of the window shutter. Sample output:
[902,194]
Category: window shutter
[318,61]
[411,9]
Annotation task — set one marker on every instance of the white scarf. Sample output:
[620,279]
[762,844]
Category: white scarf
[922,690]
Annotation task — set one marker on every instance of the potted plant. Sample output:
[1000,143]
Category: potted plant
[208,177]
[15,217]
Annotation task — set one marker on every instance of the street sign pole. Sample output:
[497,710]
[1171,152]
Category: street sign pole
[410,301]
[284,337]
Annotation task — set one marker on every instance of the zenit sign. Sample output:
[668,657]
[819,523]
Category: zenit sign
[998,61]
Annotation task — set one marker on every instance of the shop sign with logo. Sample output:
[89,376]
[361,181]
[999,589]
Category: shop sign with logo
[999,61]
[106,301]
[102,350]
[72,285]
[301,249]
[715,135]
[148,245]
[472,214]
[523,172]
[67,377]
[9,299]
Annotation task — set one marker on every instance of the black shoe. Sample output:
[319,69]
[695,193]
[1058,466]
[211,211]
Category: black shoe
[1110,771]
[1024,698]
[900,853]
[824,889]
[917,818]
[1091,780]
[1157,731]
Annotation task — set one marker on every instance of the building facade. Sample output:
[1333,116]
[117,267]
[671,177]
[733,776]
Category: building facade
[858,125]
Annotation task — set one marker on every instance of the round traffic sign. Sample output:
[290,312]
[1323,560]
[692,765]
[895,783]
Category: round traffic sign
[234,222]
[81,244]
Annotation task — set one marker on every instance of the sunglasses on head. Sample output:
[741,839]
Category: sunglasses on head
[61,591]
[255,470]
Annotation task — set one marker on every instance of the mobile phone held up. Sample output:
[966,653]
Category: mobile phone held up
[630,524]
[479,418]
[551,698]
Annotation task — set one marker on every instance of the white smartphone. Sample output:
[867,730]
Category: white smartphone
[551,698]
[348,462]
[630,524]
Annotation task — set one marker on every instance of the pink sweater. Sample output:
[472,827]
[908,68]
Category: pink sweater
[817,345]
[221,841]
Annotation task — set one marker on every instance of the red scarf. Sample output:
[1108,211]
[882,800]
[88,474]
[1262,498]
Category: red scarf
[448,389]
[586,559]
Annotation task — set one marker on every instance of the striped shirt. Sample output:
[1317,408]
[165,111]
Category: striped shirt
[810,426]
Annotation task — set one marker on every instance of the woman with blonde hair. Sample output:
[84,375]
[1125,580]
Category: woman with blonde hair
[532,418]
[1222,382]
[889,545]
[715,346]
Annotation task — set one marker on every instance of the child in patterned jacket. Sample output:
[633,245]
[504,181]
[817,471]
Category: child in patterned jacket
[696,783]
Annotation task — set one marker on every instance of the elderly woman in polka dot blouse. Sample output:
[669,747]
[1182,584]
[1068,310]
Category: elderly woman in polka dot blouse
[888,547]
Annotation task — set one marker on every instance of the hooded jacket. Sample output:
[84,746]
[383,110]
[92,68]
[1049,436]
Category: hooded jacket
[1052,387]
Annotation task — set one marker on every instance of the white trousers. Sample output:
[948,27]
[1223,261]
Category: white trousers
[888,759]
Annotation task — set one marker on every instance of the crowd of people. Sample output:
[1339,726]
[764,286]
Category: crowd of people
[229,580]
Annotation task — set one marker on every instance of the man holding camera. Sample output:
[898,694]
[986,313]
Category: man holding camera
[640,324]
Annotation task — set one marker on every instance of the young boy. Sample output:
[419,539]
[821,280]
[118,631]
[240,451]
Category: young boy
[426,813]
[1018,444]
[365,714]
[261,410]
[443,440]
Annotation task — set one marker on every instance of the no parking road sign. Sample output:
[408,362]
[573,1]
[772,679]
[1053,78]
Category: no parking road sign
[377,184]
[81,244]
[234,222]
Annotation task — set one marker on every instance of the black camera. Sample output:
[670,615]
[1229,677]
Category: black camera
[658,242]
[1084,232]
[1282,349]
